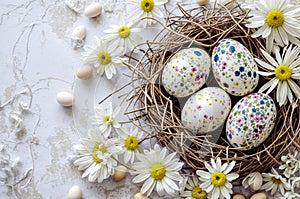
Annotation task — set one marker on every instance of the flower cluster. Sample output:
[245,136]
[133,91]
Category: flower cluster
[287,185]
[217,181]
[98,155]
[107,52]
[278,22]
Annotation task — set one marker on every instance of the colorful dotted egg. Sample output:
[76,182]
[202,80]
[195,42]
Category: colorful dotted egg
[206,110]
[186,72]
[251,121]
[234,67]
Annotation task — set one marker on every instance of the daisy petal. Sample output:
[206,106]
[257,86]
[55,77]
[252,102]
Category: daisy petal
[265,65]
[295,88]
[269,58]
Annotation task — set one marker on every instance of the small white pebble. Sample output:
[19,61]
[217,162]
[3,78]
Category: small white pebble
[238,196]
[65,99]
[140,196]
[119,173]
[260,195]
[202,2]
[75,192]
[93,10]
[79,32]
[84,72]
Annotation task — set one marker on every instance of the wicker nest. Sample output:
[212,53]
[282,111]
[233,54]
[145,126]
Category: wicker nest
[155,108]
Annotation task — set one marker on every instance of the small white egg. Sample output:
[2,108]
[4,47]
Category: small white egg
[84,72]
[119,173]
[75,192]
[140,196]
[260,195]
[238,196]
[79,32]
[65,99]
[93,10]
[202,2]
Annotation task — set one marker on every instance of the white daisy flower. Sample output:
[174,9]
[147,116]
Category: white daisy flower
[217,181]
[125,35]
[275,181]
[129,141]
[193,189]
[295,183]
[97,157]
[107,119]
[159,169]
[290,195]
[103,57]
[146,8]
[254,180]
[290,164]
[276,20]
[285,68]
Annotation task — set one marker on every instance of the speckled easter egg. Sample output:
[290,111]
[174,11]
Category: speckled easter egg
[251,121]
[234,67]
[186,72]
[206,110]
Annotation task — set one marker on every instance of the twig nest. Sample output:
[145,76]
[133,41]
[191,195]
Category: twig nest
[75,192]
[260,195]
[202,2]
[119,173]
[93,10]
[194,27]
[65,99]
[140,196]
[84,72]
[238,196]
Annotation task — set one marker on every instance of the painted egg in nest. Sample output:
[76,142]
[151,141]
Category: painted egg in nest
[234,67]
[186,72]
[251,121]
[206,110]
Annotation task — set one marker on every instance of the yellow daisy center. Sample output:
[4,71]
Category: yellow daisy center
[198,193]
[157,171]
[274,18]
[123,31]
[104,57]
[276,181]
[98,147]
[147,5]
[218,179]
[283,72]
[131,143]
[106,118]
